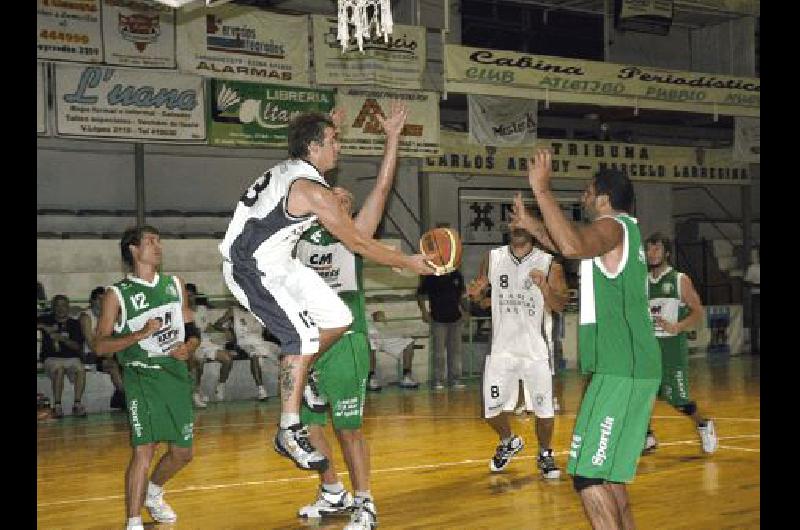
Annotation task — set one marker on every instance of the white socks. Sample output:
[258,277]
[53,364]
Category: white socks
[288,419]
[154,490]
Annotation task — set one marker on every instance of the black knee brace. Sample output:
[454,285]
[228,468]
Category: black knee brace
[688,409]
[581,483]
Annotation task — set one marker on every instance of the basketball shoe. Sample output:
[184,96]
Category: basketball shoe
[327,503]
[293,443]
[708,434]
[159,510]
[547,464]
[365,516]
[650,443]
[505,452]
[312,397]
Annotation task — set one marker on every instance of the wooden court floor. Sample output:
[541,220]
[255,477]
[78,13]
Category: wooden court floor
[430,454]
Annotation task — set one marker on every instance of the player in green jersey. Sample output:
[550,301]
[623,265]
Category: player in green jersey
[675,307]
[337,382]
[146,320]
[616,340]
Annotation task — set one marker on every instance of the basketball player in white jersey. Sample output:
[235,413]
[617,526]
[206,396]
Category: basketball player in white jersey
[526,285]
[288,298]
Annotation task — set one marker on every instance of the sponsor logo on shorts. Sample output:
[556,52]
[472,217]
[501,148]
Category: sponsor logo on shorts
[575,445]
[187,431]
[679,380]
[605,433]
[135,423]
[348,407]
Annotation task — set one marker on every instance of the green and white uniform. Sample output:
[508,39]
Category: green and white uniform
[342,370]
[618,348]
[665,301]
[157,386]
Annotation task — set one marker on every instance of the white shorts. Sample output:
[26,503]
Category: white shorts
[207,350]
[255,346]
[501,377]
[291,301]
[390,345]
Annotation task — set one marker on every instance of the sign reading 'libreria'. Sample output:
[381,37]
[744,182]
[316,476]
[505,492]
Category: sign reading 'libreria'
[577,159]
[507,73]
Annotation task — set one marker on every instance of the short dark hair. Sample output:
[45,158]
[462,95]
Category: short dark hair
[192,288]
[659,237]
[305,129]
[617,186]
[97,292]
[58,297]
[133,236]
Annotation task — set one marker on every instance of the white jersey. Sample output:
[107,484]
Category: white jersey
[93,324]
[246,326]
[262,233]
[518,312]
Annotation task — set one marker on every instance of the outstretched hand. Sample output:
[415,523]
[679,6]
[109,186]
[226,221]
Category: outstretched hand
[338,116]
[393,124]
[539,170]
[521,217]
[476,287]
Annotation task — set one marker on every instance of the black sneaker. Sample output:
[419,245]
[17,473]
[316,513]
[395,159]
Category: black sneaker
[547,464]
[504,453]
[311,394]
[293,443]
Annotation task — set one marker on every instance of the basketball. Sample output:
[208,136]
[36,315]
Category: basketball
[443,248]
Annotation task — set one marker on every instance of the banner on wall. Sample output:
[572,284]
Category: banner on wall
[41,99]
[140,34]
[363,134]
[580,159]
[646,8]
[244,43]
[250,114]
[747,140]
[497,120]
[506,73]
[69,31]
[720,332]
[396,64]
[128,104]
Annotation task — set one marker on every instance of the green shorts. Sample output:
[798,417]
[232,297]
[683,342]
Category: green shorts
[611,427]
[342,375]
[159,404]
[674,372]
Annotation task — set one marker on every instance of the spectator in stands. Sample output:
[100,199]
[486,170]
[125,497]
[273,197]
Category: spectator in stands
[448,303]
[109,365]
[249,340]
[40,296]
[61,351]
[211,349]
[753,279]
[393,345]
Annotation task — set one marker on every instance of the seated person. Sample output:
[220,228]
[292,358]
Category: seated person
[109,365]
[61,350]
[212,348]
[246,337]
[393,346]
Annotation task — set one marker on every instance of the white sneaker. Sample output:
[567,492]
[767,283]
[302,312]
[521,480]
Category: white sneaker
[373,384]
[505,452]
[262,393]
[519,411]
[327,503]
[408,382]
[219,394]
[159,510]
[650,444]
[547,465]
[199,402]
[708,435]
[438,385]
[134,527]
[458,385]
[293,443]
[365,516]
[312,397]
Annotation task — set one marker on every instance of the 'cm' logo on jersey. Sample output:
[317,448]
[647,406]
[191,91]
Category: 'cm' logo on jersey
[321,259]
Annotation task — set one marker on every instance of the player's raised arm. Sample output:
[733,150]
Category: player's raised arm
[554,288]
[522,218]
[596,239]
[314,198]
[369,216]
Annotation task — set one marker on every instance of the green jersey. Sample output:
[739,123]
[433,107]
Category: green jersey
[141,301]
[665,301]
[339,267]
[616,334]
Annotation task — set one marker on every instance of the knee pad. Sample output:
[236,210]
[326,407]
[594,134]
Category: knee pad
[581,483]
[688,409]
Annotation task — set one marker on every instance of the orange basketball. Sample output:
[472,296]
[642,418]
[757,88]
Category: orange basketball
[443,248]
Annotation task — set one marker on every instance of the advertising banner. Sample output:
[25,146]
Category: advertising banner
[128,104]
[362,134]
[69,30]
[496,120]
[138,33]
[747,140]
[250,114]
[244,43]
[396,64]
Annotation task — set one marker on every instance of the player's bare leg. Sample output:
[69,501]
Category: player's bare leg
[356,457]
[333,497]
[544,432]
[620,494]
[501,425]
[171,462]
[601,508]
[136,478]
